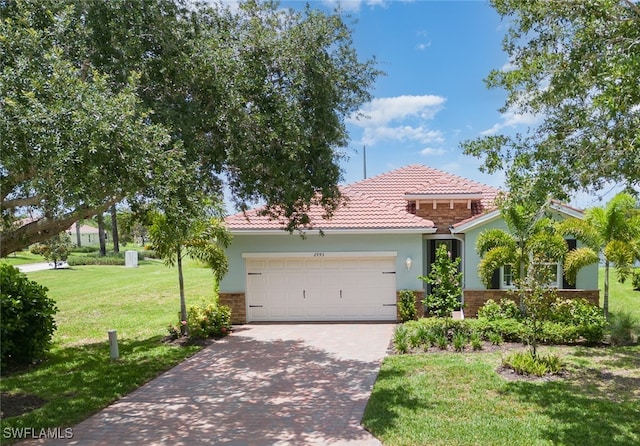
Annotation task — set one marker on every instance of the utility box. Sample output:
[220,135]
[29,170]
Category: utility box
[131,259]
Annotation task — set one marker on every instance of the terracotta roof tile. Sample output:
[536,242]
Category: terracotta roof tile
[379,202]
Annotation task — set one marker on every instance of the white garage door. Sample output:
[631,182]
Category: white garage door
[321,287]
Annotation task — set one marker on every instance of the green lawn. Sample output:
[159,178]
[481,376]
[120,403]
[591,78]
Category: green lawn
[622,297]
[22,257]
[77,379]
[461,399]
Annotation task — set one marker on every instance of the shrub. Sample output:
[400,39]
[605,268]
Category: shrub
[624,328]
[108,260]
[84,249]
[149,254]
[419,336]
[494,338]
[510,330]
[558,333]
[401,339]
[441,341]
[588,319]
[26,319]
[506,309]
[459,341]
[526,363]
[208,320]
[407,306]
[476,341]
[446,283]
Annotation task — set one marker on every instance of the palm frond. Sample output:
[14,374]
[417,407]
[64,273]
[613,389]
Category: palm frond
[577,259]
[493,259]
[494,238]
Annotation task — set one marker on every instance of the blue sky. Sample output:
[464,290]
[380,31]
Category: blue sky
[435,55]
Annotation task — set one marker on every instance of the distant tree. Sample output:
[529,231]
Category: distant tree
[612,232]
[134,225]
[114,228]
[105,101]
[204,238]
[102,235]
[56,249]
[574,63]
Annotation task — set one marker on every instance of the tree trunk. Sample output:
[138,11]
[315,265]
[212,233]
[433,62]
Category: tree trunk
[78,235]
[114,230]
[183,304]
[605,302]
[101,235]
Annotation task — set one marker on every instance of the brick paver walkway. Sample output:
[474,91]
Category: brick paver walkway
[289,384]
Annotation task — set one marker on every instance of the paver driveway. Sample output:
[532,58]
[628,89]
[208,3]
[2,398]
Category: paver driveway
[294,384]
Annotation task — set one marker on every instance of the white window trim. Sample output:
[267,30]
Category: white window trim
[503,286]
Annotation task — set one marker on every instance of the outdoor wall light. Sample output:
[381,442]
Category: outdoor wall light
[409,262]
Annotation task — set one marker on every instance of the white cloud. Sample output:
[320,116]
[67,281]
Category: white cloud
[511,118]
[352,5]
[401,133]
[423,46]
[400,118]
[382,111]
[431,151]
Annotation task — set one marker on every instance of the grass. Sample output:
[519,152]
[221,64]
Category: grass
[22,258]
[460,399]
[622,296]
[77,378]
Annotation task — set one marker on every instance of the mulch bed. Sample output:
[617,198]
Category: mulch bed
[14,404]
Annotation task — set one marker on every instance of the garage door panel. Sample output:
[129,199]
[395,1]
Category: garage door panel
[312,289]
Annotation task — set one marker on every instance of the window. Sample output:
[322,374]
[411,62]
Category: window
[551,272]
[506,277]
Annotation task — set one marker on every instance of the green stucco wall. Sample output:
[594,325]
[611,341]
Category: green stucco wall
[405,245]
[587,277]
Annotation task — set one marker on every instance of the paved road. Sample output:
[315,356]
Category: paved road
[30,267]
[264,385]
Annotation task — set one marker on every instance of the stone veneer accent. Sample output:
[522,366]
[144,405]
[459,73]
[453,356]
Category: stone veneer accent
[419,305]
[474,299]
[235,301]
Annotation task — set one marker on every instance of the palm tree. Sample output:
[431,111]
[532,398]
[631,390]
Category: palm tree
[531,238]
[202,238]
[612,232]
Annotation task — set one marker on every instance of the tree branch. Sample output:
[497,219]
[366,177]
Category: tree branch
[19,202]
[45,228]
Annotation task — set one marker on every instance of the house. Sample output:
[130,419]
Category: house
[377,244]
[89,235]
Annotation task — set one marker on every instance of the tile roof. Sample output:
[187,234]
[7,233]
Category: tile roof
[379,202]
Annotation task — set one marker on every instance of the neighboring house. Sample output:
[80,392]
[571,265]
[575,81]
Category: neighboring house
[373,247]
[89,236]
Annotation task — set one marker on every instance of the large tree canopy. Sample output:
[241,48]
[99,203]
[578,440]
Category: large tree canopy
[163,100]
[576,64]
